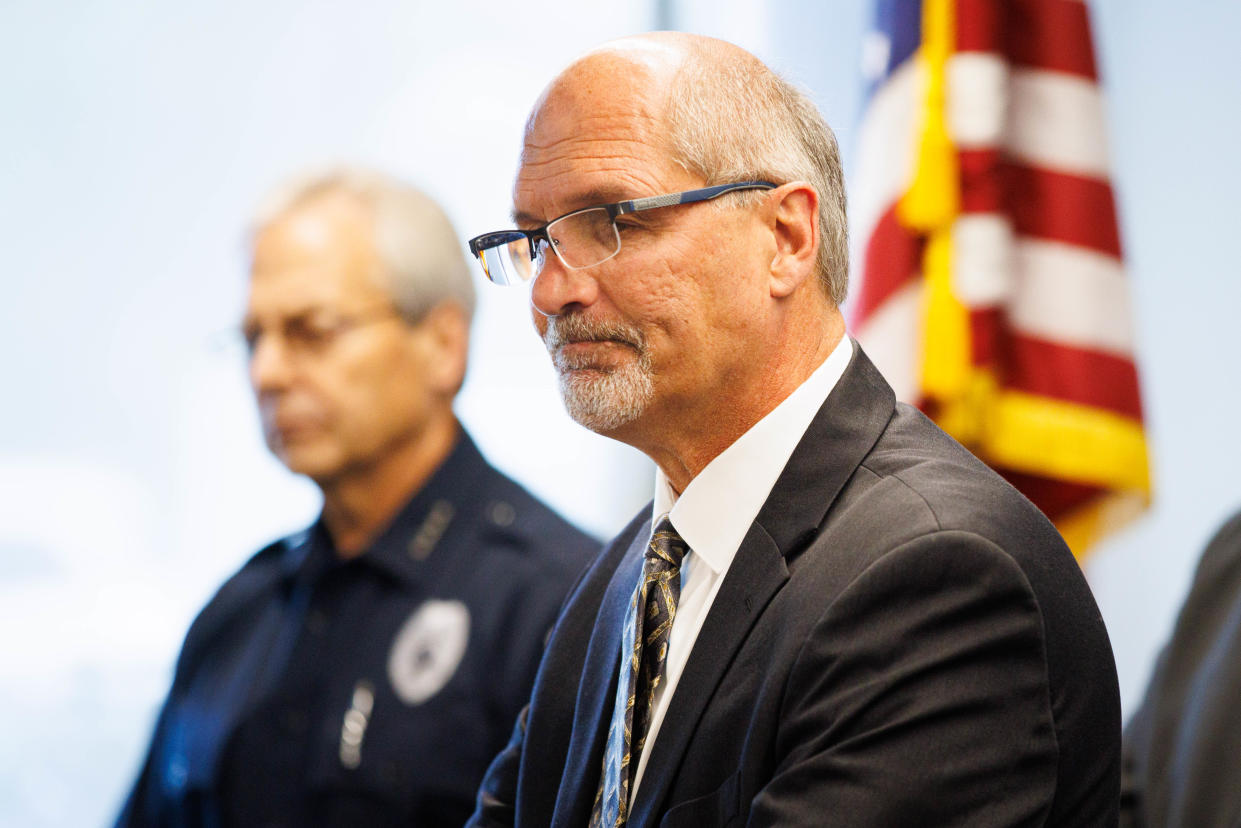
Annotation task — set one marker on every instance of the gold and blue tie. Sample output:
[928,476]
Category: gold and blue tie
[644,648]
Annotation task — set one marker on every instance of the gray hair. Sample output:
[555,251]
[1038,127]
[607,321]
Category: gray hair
[422,254]
[740,121]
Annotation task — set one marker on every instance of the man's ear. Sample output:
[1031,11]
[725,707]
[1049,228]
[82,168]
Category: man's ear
[444,337]
[795,225]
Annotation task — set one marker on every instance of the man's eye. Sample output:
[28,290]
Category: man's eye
[316,331]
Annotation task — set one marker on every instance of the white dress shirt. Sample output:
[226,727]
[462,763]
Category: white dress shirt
[715,511]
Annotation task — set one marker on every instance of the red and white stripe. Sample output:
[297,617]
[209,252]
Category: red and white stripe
[1036,246]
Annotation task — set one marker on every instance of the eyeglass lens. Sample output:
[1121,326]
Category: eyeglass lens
[584,239]
[509,263]
[580,240]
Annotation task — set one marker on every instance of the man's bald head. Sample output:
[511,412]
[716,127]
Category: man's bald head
[637,70]
[720,113]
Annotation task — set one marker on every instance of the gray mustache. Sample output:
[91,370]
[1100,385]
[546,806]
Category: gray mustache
[562,330]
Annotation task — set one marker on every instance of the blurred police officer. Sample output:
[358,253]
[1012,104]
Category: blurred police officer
[365,671]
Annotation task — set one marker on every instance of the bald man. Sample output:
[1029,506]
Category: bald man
[831,614]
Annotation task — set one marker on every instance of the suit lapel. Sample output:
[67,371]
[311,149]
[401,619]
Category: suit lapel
[597,690]
[834,445]
[838,439]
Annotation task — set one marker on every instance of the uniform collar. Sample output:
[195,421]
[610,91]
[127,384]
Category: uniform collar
[407,549]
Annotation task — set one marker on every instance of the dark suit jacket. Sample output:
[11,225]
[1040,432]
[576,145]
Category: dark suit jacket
[1182,760]
[902,639]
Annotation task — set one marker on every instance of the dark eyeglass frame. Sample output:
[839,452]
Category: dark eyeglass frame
[303,335]
[487,241]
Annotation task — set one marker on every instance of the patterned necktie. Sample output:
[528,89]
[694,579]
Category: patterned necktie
[645,649]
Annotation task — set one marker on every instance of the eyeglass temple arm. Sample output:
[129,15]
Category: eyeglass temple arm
[705,194]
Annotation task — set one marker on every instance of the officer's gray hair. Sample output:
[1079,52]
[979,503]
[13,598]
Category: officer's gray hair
[740,121]
[422,254]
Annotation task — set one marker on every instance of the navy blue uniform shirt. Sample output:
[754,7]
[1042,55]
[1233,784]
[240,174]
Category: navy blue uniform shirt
[371,691]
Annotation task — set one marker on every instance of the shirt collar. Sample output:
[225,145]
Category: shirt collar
[406,549]
[716,509]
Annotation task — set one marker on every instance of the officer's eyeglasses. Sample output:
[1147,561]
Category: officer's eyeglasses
[580,239]
[312,334]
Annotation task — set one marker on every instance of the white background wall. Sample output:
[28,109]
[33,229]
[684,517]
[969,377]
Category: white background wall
[135,137]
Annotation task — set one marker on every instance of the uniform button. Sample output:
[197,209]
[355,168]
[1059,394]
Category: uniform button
[501,513]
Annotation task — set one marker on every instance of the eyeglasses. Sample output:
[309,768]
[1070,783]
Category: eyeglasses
[580,239]
[313,333]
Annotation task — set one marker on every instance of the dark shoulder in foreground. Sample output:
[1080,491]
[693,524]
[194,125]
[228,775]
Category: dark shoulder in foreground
[946,488]
[951,489]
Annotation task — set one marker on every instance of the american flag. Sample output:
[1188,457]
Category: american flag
[992,292]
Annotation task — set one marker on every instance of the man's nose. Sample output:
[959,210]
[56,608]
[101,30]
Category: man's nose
[558,289]
[271,364]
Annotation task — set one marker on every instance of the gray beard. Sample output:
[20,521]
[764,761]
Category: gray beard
[601,400]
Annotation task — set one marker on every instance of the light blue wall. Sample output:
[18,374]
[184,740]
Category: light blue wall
[1172,81]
